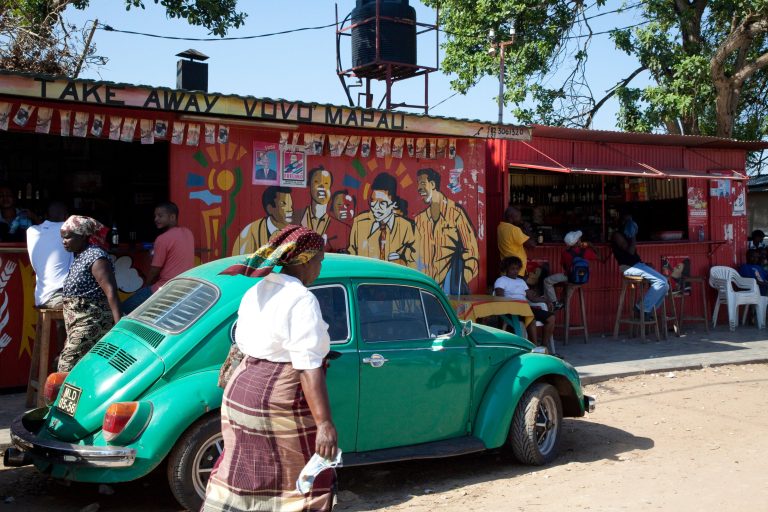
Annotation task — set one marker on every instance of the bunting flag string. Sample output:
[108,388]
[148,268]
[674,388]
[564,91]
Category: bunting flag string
[98,125]
[43,124]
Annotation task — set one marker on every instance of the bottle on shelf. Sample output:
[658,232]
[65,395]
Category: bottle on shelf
[115,235]
[540,237]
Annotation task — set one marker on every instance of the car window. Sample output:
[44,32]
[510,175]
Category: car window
[333,306]
[391,313]
[437,319]
[177,305]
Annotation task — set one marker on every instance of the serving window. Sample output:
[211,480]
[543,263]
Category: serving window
[114,182]
[554,203]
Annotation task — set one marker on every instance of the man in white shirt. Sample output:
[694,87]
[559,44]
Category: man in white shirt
[49,259]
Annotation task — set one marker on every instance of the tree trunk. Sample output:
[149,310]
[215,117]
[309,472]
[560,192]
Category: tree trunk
[726,100]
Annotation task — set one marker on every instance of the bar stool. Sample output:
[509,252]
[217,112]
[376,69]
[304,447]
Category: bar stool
[40,364]
[665,317]
[702,284]
[570,290]
[635,286]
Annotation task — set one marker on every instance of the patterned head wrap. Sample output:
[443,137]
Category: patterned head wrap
[88,227]
[292,245]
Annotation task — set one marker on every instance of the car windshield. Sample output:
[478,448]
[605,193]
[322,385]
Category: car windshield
[177,305]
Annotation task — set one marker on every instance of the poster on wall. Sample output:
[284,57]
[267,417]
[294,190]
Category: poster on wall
[265,163]
[293,168]
[698,215]
[739,205]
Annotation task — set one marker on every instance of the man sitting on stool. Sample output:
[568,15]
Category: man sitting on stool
[630,264]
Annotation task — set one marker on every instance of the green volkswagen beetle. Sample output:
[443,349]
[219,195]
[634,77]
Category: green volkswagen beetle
[409,380]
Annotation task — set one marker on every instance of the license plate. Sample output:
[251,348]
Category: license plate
[68,400]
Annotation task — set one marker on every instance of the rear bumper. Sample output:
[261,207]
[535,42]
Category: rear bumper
[24,436]
[589,403]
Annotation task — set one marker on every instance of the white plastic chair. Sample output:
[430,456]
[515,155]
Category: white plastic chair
[724,279]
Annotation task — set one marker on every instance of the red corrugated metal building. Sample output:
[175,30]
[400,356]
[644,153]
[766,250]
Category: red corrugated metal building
[687,193]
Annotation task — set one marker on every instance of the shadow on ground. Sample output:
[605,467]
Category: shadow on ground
[370,487]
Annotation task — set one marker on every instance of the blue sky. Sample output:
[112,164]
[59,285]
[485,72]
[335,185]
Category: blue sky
[302,65]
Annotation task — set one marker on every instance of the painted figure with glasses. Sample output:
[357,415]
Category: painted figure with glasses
[384,232]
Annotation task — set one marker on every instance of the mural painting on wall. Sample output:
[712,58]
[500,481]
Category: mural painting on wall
[405,211]
[219,176]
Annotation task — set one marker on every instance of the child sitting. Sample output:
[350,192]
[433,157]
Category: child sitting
[512,286]
[753,269]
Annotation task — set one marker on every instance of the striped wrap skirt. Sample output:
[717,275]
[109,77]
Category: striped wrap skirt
[269,435]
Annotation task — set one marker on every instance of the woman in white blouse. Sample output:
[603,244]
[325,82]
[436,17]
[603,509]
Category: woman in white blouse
[275,413]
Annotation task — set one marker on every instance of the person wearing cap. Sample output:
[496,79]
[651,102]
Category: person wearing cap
[275,412]
[574,247]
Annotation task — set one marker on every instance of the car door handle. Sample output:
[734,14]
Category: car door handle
[376,360]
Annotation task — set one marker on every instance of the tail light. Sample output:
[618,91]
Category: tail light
[117,417]
[125,421]
[53,385]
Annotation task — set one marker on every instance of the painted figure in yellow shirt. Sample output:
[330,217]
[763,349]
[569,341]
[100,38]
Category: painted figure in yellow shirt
[315,216]
[446,242]
[383,232]
[278,204]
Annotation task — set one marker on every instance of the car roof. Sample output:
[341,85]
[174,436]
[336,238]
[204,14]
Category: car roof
[335,266]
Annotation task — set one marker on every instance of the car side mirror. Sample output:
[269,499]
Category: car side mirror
[467,329]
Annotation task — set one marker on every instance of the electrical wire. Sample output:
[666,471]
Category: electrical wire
[442,101]
[109,28]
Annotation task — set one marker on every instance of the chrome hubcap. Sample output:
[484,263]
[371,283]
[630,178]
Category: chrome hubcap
[205,459]
[545,427]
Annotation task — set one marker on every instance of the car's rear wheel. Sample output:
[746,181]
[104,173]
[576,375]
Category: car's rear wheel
[192,459]
[535,431]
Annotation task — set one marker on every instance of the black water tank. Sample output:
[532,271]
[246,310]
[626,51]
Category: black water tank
[398,40]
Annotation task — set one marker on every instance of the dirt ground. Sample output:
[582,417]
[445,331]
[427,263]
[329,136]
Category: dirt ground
[689,440]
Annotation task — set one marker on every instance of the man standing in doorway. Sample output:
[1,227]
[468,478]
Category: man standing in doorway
[174,253]
[511,238]
[446,243]
[49,259]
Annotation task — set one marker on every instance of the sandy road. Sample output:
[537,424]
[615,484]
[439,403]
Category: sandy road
[691,440]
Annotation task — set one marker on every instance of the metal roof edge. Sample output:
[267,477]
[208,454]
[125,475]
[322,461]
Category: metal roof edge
[692,141]
[520,132]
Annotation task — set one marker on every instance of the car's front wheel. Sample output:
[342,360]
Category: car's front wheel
[192,459]
[535,431]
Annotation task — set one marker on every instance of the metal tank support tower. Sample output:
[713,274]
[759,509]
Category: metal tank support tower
[383,45]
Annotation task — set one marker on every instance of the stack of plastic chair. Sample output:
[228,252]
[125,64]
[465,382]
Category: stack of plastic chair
[734,291]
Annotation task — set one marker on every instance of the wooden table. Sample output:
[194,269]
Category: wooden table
[472,307]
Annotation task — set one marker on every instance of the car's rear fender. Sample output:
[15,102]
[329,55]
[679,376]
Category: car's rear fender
[498,404]
[176,406]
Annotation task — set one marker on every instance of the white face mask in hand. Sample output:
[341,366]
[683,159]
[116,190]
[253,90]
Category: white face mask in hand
[314,467]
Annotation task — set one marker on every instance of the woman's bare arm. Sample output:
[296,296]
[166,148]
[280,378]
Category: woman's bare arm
[316,391]
[104,275]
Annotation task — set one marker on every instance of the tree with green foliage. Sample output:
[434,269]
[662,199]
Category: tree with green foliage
[707,61]
[35,37]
